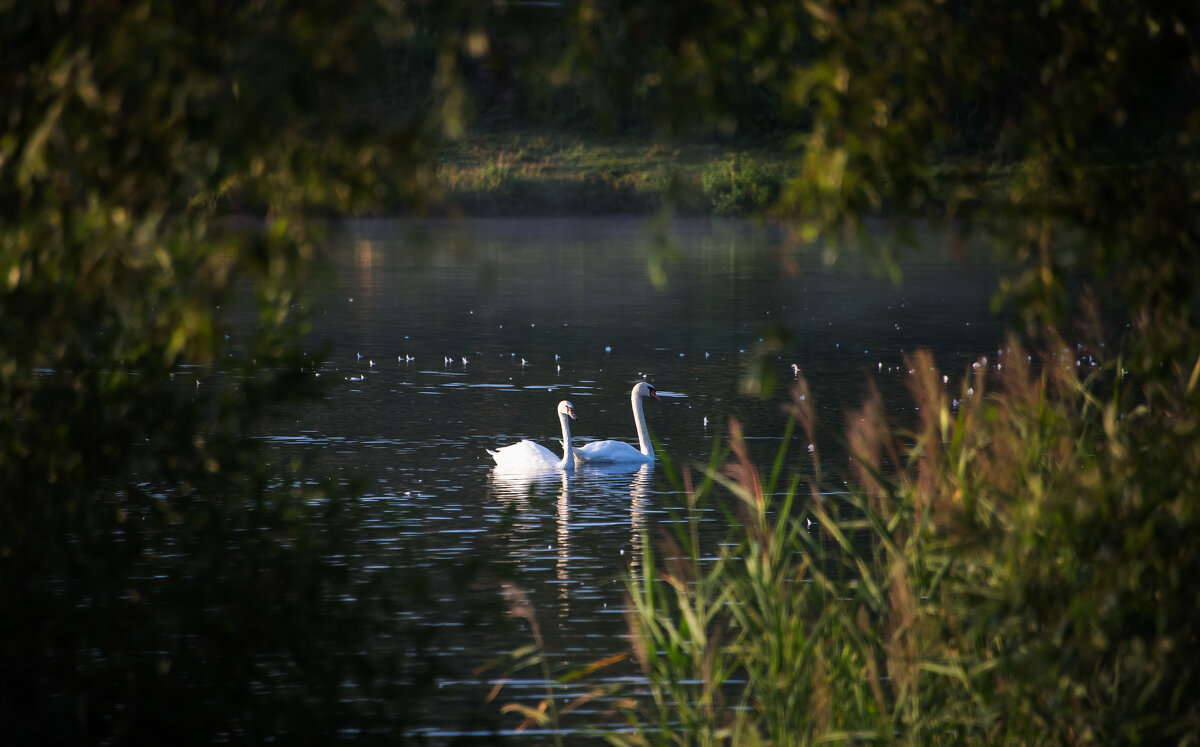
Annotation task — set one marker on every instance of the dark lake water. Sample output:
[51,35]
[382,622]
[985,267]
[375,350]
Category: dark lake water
[449,338]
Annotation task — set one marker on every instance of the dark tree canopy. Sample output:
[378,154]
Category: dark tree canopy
[158,575]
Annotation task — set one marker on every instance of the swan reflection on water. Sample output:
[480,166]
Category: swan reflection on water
[601,496]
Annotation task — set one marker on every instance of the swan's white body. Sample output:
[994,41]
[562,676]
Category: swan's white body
[619,452]
[527,456]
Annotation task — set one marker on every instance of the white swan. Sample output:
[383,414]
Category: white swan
[619,452]
[527,456]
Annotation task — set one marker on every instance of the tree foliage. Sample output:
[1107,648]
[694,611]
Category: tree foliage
[1067,130]
[158,575]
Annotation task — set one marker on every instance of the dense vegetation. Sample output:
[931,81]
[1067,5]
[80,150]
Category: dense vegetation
[159,578]
[1033,540]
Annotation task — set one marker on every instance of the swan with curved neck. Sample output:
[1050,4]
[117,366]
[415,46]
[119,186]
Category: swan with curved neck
[619,452]
[527,456]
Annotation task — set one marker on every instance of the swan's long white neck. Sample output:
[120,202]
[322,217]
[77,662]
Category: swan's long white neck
[639,419]
[568,460]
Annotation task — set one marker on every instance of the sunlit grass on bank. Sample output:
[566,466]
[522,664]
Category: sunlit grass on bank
[547,171]
[538,172]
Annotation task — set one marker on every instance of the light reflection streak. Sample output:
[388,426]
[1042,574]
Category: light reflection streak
[599,492]
[564,552]
[639,490]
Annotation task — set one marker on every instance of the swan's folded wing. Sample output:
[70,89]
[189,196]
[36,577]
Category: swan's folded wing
[609,452]
[525,456]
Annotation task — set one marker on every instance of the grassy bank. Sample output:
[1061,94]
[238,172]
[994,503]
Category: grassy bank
[528,172]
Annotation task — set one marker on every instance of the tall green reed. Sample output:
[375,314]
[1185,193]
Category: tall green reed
[768,639]
[677,619]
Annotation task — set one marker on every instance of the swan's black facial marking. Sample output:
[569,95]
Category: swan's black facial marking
[654,394]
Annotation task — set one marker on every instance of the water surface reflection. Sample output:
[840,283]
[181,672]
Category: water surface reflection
[446,339]
[588,503]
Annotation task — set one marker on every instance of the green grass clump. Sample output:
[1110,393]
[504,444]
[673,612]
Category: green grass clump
[740,187]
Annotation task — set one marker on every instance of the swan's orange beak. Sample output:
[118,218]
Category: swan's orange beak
[571,412]
[654,394]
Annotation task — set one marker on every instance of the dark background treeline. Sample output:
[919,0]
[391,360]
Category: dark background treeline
[638,69]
